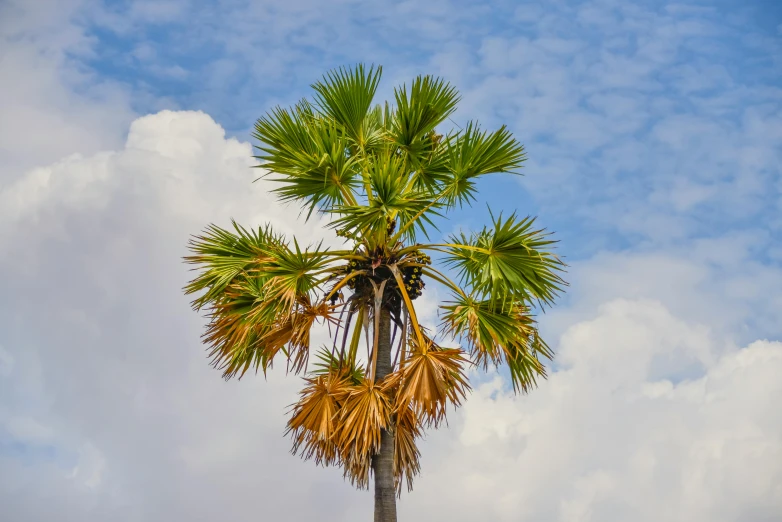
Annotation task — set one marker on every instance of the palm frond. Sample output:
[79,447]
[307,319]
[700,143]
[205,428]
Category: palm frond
[523,361]
[365,412]
[432,377]
[258,293]
[391,202]
[512,259]
[498,332]
[294,330]
[224,256]
[236,343]
[474,153]
[290,273]
[407,429]
[430,165]
[376,128]
[428,103]
[247,330]
[312,424]
[345,95]
[305,154]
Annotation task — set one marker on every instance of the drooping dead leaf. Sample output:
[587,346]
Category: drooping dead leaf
[431,378]
[313,422]
[407,428]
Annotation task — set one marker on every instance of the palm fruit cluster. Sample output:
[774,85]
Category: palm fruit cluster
[411,275]
[352,266]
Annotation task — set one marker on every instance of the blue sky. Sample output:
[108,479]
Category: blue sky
[654,140]
[590,89]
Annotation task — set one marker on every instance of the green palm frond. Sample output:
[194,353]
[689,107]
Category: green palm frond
[524,361]
[498,332]
[258,293]
[391,202]
[376,128]
[512,259]
[428,103]
[474,153]
[224,256]
[486,325]
[345,95]
[292,273]
[430,166]
[305,154]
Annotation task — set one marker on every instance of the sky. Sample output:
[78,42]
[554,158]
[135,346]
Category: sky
[654,140]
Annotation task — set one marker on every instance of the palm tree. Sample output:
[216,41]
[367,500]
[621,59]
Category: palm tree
[382,173]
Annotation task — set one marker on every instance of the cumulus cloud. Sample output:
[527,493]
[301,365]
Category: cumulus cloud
[721,282]
[612,437]
[109,410]
[115,368]
[52,104]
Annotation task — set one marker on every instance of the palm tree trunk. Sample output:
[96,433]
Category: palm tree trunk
[383,462]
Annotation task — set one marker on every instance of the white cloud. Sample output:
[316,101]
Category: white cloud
[717,281]
[610,438]
[52,106]
[92,246]
[650,415]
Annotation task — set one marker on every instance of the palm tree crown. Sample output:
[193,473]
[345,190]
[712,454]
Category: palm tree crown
[382,173]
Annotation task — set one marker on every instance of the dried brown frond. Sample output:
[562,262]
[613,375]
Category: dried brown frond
[313,422]
[294,328]
[357,469]
[432,377]
[407,429]
[247,329]
[365,412]
[235,340]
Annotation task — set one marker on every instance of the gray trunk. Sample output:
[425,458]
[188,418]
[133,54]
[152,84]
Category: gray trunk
[383,462]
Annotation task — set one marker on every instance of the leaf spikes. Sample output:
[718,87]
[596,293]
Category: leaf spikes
[432,377]
[498,332]
[257,290]
[346,95]
[428,103]
[510,260]
[224,255]
[305,154]
[474,153]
